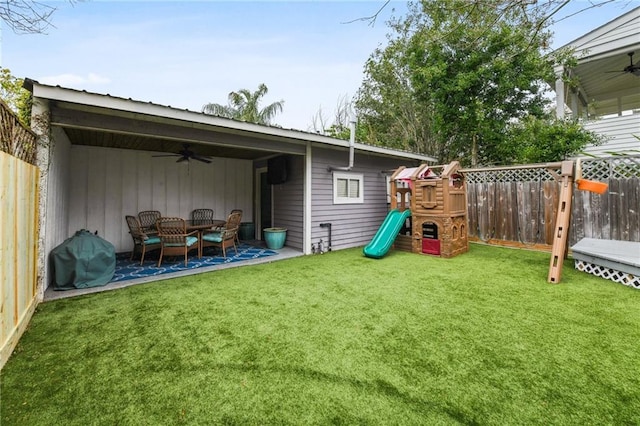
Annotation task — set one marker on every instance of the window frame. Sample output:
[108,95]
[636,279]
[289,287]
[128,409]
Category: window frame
[349,176]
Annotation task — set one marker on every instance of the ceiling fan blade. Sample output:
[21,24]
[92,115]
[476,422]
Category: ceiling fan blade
[615,76]
[204,160]
[166,155]
[181,159]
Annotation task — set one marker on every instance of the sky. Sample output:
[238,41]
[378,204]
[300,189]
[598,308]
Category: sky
[310,54]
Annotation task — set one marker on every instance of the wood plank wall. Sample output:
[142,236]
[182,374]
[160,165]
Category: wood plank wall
[18,249]
[107,183]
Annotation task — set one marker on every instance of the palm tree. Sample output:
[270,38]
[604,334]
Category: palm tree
[244,105]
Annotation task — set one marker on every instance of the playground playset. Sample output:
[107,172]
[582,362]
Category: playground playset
[428,213]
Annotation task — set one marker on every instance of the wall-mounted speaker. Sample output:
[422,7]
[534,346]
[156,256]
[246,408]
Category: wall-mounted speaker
[277,170]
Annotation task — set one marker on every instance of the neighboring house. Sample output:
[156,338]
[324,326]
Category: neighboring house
[608,94]
[98,162]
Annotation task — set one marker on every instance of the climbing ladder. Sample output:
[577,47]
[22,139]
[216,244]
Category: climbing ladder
[561,232]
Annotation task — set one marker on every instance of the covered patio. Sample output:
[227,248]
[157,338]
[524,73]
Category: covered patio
[109,157]
[105,157]
[607,94]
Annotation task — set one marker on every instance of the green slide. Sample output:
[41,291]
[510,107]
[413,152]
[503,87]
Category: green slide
[387,233]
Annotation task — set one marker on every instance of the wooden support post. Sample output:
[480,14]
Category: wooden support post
[561,233]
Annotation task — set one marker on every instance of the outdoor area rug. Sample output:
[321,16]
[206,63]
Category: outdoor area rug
[131,269]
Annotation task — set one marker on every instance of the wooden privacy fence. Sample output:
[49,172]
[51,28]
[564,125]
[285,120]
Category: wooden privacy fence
[517,205]
[18,230]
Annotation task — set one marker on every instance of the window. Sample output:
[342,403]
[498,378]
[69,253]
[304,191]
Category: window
[347,188]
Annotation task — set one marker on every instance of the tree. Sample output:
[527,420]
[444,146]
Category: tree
[339,127]
[27,16]
[15,96]
[541,140]
[456,76]
[388,109]
[245,105]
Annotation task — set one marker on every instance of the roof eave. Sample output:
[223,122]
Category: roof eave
[107,101]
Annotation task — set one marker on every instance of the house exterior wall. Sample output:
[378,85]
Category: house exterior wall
[608,37]
[107,183]
[620,132]
[352,225]
[288,203]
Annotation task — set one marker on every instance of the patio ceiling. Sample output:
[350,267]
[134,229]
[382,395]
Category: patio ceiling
[127,130]
[602,56]
[605,86]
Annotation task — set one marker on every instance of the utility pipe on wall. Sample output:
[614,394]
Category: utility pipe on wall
[327,225]
[352,143]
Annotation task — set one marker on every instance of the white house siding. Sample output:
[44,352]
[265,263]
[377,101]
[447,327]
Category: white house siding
[58,194]
[288,203]
[620,133]
[352,225]
[105,184]
[607,37]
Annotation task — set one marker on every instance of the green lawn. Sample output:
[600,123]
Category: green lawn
[338,339]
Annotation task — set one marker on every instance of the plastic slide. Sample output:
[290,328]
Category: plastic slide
[387,233]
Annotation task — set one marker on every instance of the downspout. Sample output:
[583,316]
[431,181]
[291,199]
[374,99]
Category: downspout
[352,143]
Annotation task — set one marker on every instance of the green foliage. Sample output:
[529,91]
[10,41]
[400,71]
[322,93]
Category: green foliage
[454,77]
[388,109]
[539,140]
[19,100]
[481,338]
[244,105]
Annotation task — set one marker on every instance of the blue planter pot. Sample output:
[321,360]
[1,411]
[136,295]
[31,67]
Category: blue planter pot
[275,237]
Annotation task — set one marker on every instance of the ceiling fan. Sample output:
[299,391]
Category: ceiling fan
[186,154]
[631,68]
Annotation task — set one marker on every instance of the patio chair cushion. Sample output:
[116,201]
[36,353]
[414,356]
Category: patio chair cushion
[214,237]
[152,240]
[189,242]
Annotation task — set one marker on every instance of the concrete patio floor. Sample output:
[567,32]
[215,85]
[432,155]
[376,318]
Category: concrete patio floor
[284,253]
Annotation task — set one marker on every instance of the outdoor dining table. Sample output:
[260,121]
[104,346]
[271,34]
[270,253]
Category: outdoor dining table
[202,225]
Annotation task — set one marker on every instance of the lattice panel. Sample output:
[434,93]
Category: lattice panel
[608,273]
[619,167]
[15,139]
[533,174]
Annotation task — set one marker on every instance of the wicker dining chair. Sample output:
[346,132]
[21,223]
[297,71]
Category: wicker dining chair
[238,233]
[174,239]
[225,236]
[148,220]
[141,241]
[202,214]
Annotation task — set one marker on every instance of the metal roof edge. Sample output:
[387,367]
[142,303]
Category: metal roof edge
[83,97]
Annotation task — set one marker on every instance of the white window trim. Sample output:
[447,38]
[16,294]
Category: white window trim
[351,176]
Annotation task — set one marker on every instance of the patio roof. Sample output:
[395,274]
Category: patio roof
[602,56]
[108,121]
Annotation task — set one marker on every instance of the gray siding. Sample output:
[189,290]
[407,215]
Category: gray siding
[352,225]
[288,203]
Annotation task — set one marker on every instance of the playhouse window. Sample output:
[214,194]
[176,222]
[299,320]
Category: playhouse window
[347,188]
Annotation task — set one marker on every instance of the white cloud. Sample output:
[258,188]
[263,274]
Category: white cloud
[71,80]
